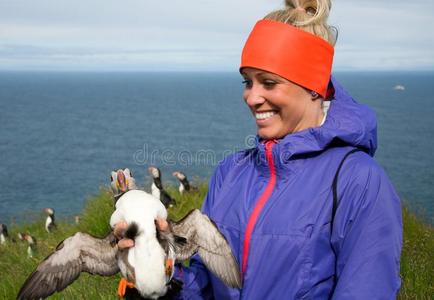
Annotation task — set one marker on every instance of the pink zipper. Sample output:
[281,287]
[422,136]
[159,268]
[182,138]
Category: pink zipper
[259,204]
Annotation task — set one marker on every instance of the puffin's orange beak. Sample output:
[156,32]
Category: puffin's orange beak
[121,182]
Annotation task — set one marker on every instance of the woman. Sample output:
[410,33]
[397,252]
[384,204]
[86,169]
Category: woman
[275,202]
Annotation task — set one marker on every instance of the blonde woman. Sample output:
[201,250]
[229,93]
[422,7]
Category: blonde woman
[308,213]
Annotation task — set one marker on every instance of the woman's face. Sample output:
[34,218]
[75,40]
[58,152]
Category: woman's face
[279,106]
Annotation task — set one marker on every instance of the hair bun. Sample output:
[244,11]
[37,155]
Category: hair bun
[316,10]
[309,15]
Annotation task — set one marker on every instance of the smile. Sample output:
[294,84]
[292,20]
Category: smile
[264,115]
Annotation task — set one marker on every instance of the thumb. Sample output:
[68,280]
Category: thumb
[125,243]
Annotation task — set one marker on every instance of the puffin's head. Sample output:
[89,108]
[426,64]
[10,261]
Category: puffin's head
[179,175]
[119,182]
[28,238]
[122,181]
[48,211]
[154,171]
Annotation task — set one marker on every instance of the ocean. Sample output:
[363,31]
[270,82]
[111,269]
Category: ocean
[61,134]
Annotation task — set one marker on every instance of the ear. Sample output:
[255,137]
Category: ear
[314,95]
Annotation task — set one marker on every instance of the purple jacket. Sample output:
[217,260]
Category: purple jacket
[274,202]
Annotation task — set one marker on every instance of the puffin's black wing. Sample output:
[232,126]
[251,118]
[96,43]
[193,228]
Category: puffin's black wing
[203,237]
[76,254]
[166,199]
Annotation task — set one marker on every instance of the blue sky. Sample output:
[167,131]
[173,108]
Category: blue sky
[143,35]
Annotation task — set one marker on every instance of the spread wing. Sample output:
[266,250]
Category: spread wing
[204,238]
[78,253]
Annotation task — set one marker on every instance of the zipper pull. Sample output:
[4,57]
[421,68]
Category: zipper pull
[269,146]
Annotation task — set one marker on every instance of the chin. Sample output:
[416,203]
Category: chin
[267,134]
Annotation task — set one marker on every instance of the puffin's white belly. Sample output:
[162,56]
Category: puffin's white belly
[148,259]
[48,221]
[181,188]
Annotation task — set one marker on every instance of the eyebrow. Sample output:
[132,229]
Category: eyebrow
[260,73]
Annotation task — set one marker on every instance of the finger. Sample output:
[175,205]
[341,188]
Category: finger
[162,224]
[125,243]
[120,228]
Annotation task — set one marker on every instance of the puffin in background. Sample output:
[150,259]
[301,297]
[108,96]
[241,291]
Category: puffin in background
[3,233]
[157,189]
[121,182]
[149,264]
[49,222]
[31,242]
[184,184]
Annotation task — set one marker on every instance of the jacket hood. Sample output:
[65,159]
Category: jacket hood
[347,122]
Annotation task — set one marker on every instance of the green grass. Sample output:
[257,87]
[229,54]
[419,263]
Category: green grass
[417,263]
[417,259]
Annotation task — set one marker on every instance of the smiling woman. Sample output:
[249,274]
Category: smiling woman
[308,201]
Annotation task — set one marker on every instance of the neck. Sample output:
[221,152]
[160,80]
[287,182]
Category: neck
[155,191]
[313,117]
[2,238]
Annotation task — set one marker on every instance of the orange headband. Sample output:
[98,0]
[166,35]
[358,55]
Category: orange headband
[291,53]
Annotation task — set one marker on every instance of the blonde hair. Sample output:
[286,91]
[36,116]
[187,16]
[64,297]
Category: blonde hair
[308,15]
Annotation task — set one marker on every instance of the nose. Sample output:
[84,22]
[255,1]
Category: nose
[253,96]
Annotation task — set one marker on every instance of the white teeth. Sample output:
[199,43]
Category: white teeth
[264,115]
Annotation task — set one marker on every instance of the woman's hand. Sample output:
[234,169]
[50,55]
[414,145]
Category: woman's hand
[121,228]
[162,224]
[119,232]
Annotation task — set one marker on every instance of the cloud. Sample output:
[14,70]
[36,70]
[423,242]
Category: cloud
[197,35]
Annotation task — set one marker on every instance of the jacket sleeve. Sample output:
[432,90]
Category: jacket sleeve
[367,233]
[195,278]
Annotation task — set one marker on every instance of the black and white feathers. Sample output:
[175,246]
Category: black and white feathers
[3,233]
[31,243]
[184,184]
[50,225]
[157,189]
[195,233]
[145,263]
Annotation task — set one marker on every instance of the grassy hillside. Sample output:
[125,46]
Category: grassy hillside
[417,265]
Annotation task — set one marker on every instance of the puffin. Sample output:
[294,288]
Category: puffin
[3,233]
[122,181]
[149,264]
[157,189]
[49,222]
[31,242]
[184,184]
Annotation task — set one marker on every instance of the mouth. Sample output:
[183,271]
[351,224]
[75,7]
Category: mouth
[121,182]
[262,116]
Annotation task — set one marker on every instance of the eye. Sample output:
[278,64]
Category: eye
[247,83]
[269,83]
